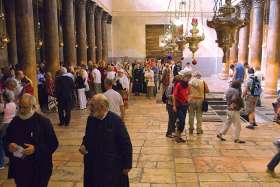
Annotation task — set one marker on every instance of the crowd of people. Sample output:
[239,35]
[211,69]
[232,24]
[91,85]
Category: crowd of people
[28,139]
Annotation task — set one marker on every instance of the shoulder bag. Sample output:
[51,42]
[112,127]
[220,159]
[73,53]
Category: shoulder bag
[204,102]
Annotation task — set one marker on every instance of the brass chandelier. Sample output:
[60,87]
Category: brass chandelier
[226,21]
[177,33]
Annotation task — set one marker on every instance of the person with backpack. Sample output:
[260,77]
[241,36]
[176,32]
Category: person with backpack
[251,94]
[233,98]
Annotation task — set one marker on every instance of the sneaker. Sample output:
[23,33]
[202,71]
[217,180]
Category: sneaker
[255,124]
[1,168]
[169,135]
[180,140]
[221,137]
[239,141]
[251,126]
[199,132]
[271,173]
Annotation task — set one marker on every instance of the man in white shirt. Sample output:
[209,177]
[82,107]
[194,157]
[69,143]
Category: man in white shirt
[96,79]
[116,104]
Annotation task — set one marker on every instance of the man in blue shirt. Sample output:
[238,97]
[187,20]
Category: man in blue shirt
[239,72]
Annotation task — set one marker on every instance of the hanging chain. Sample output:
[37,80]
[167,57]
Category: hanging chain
[202,18]
[188,20]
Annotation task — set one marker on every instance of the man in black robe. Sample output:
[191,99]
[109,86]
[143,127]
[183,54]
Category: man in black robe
[64,91]
[29,143]
[106,147]
[138,78]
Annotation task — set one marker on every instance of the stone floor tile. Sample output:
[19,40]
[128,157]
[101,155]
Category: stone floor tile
[163,185]
[218,164]
[238,177]
[135,175]
[183,161]
[67,174]
[229,184]
[140,185]
[165,165]
[164,176]
[213,177]
[60,184]
[184,168]
[188,184]
[186,177]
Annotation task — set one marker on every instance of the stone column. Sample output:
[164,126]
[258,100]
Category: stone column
[244,33]
[51,36]
[273,45]
[233,54]
[91,31]
[98,33]
[104,37]
[109,36]
[26,40]
[69,32]
[81,29]
[255,52]
[11,30]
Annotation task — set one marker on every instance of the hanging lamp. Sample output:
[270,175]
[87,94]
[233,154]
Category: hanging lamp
[4,39]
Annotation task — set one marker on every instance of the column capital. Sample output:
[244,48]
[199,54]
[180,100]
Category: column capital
[99,12]
[244,6]
[80,3]
[105,16]
[109,20]
[91,7]
[257,3]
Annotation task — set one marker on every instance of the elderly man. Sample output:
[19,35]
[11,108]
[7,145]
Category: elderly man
[198,89]
[29,143]
[106,147]
[64,91]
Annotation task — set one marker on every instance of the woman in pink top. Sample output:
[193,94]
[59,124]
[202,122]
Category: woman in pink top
[8,109]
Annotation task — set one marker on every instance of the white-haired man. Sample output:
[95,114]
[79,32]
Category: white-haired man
[106,147]
[29,143]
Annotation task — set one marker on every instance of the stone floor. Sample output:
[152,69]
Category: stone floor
[203,161]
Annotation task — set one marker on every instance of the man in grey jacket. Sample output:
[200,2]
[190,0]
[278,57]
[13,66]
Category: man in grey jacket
[233,97]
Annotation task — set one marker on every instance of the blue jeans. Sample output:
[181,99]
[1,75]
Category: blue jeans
[171,119]
[274,162]
[181,114]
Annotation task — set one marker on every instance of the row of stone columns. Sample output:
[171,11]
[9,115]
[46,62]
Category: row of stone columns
[84,26]
[250,40]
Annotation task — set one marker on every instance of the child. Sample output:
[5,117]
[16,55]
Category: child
[8,109]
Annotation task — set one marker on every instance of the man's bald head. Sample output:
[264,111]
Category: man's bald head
[99,106]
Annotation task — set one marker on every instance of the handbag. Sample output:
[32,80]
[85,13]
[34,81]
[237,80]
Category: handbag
[204,102]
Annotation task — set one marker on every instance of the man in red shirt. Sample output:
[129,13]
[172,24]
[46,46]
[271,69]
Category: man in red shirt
[180,102]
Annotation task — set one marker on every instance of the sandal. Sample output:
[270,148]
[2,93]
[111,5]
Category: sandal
[239,141]
[169,136]
[221,137]
[180,140]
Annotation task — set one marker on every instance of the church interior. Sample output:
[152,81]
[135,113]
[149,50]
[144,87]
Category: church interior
[211,36]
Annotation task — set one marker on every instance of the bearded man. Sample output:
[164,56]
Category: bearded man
[106,147]
[29,143]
